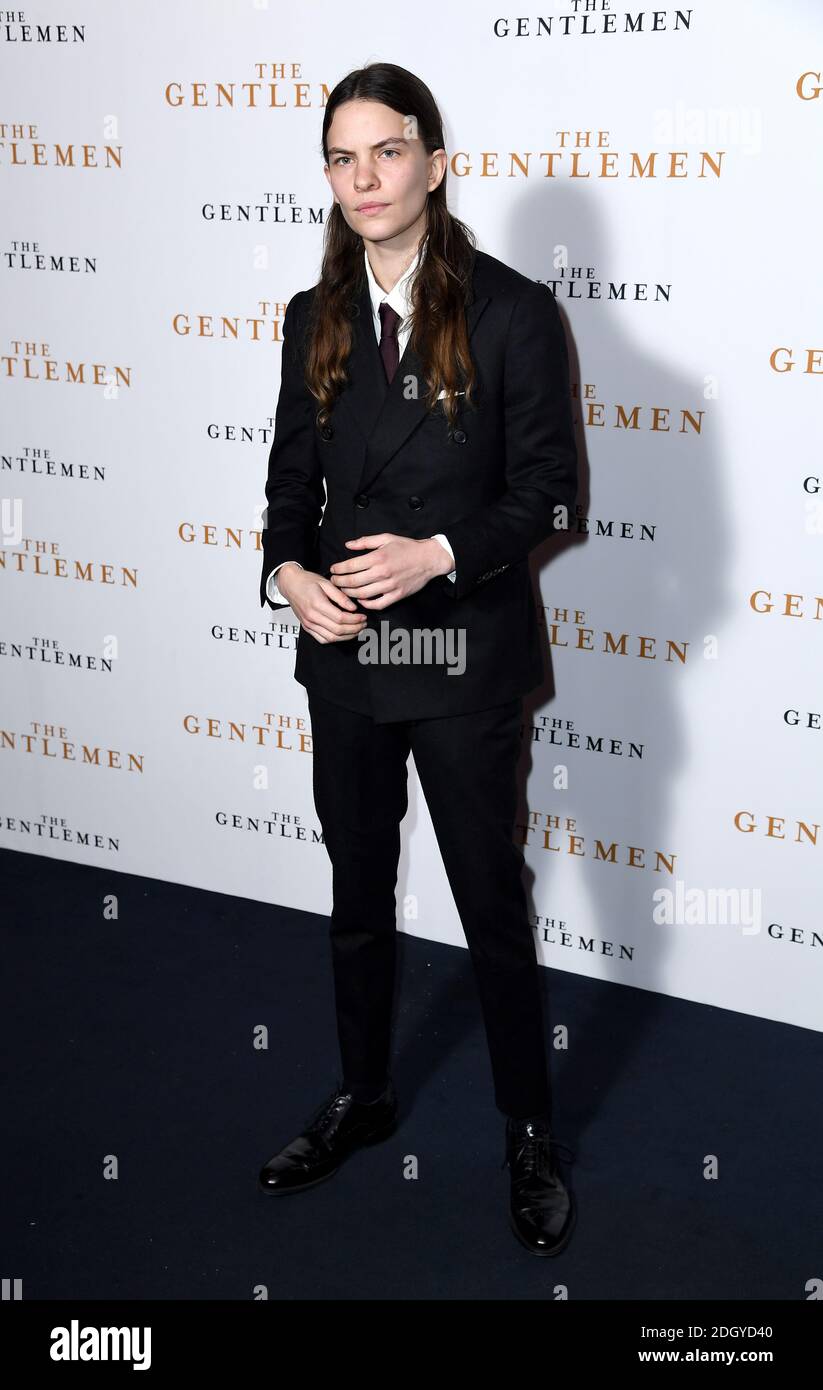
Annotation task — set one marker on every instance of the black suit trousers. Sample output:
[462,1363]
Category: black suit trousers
[466,764]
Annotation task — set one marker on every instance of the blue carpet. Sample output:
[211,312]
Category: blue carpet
[132,1042]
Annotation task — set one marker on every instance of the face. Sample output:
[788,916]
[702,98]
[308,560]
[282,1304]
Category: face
[380,172]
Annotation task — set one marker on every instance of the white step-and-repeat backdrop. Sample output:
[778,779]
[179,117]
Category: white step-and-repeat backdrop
[163,198]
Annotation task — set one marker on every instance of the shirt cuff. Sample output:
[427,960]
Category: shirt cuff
[442,539]
[272,591]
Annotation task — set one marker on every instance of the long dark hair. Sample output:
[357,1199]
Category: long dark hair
[442,284]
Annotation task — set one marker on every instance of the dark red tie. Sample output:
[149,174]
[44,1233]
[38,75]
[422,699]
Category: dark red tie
[389,347]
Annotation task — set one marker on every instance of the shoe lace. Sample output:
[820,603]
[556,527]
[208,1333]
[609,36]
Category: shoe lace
[319,1119]
[529,1148]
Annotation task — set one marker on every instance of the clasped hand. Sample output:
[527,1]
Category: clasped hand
[391,568]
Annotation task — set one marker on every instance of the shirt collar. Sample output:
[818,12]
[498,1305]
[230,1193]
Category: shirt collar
[399,296]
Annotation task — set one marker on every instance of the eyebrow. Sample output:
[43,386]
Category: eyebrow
[391,140]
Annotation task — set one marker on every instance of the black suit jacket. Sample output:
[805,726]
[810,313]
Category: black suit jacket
[387,463]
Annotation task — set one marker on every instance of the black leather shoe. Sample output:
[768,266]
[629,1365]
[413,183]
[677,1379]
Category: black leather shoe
[338,1127]
[542,1211]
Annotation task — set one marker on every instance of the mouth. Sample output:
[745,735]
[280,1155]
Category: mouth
[371,207]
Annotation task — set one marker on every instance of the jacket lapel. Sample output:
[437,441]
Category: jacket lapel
[382,411]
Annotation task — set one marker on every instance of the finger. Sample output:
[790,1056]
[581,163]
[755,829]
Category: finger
[371,540]
[360,562]
[391,597]
[335,596]
[318,611]
[370,588]
[336,620]
[328,634]
[371,574]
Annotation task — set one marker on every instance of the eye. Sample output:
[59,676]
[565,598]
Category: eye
[341,157]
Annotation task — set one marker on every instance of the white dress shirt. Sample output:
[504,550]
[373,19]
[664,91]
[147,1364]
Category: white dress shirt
[399,297]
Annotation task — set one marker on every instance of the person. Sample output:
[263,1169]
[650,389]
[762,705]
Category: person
[423,446]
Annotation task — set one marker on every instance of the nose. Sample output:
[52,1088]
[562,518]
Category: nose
[364,178]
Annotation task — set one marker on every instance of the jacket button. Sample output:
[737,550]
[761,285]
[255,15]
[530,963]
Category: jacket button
[415,503]
[361,500]
[326,432]
[459,436]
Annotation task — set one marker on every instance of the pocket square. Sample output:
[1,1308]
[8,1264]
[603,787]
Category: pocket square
[443,392]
